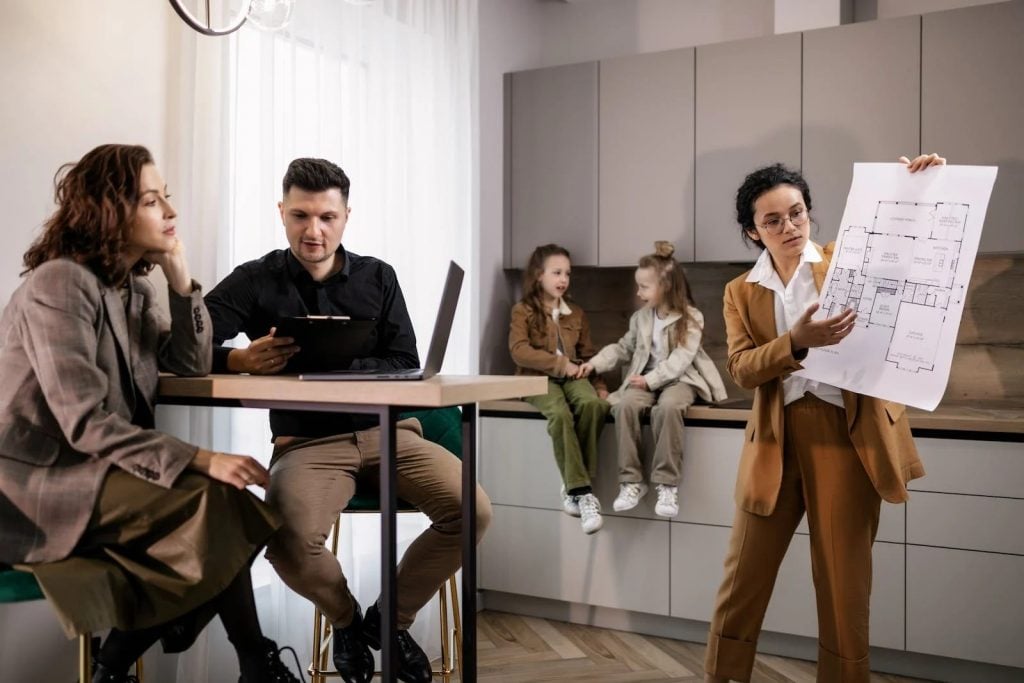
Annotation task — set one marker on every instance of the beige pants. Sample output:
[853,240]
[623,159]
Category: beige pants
[822,475]
[667,409]
[312,481]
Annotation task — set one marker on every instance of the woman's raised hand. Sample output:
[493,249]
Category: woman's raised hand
[807,333]
[236,470]
[923,161]
[175,267]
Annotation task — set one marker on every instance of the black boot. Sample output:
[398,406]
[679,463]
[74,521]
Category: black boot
[267,667]
[101,674]
[352,657]
[413,665]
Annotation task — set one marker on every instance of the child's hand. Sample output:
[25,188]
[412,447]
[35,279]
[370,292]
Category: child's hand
[572,371]
[585,370]
[638,382]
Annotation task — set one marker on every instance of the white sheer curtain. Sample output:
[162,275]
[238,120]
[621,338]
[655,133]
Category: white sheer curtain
[384,91]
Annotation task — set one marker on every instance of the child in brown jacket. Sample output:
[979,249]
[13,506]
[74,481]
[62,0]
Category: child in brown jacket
[549,336]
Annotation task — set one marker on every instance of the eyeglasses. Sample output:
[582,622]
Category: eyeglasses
[775,226]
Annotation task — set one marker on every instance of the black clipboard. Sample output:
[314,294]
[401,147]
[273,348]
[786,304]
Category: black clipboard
[326,343]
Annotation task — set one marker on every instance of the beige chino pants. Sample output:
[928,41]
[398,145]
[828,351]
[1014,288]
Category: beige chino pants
[312,481]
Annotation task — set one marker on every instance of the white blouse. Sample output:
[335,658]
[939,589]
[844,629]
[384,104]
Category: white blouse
[791,300]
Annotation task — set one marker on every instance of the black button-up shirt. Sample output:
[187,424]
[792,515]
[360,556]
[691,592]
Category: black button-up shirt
[258,294]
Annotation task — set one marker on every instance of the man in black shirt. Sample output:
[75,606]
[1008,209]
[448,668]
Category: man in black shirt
[319,457]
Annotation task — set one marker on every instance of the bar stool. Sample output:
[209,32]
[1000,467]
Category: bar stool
[320,669]
[21,586]
[442,426]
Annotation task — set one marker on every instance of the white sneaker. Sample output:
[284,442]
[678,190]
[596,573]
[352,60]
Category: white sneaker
[590,513]
[570,504]
[668,501]
[629,496]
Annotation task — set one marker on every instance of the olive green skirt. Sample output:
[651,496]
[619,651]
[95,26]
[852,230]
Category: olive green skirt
[152,555]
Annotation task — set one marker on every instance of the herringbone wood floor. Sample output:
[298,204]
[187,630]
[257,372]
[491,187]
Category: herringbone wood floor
[515,649]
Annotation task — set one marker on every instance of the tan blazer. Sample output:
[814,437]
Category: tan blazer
[75,370]
[534,352]
[759,359]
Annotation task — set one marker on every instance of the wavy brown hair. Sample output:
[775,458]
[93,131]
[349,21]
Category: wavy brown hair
[97,199]
[675,288]
[533,295]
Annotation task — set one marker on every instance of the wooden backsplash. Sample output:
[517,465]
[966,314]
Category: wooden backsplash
[988,367]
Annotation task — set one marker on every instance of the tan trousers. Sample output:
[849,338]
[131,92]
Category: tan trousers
[667,409]
[823,476]
[312,481]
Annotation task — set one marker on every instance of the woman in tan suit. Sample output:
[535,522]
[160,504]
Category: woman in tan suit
[125,527]
[809,448]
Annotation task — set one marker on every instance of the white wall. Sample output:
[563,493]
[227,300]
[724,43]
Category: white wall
[74,74]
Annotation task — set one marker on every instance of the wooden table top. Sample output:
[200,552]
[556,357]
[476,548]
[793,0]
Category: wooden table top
[438,391]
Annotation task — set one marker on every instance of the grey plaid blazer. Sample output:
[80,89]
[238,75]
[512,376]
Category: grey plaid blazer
[74,368]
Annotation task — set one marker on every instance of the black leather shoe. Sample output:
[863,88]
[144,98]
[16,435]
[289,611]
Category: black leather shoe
[413,665]
[268,667]
[352,658]
[101,674]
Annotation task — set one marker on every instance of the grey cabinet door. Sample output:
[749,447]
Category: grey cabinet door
[966,605]
[554,162]
[646,150]
[748,115]
[972,105]
[861,103]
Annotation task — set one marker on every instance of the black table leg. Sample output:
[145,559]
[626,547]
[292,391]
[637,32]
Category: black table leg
[468,672]
[388,551]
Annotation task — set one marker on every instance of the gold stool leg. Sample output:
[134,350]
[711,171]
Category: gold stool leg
[453,586]
[139,673]
[318,670]
[324,648]
[314,664]
[446,657]
[85,658]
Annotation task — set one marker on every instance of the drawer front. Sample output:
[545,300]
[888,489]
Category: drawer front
[966,522]
[698,553]
[981,468]
[517,464]
[544,553]
[698,556]
[967,605]
[710,459]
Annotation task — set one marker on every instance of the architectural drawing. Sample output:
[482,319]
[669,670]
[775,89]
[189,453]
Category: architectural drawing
[903,260]
[900,274]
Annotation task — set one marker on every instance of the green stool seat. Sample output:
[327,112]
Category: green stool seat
[443,426]
[18,586]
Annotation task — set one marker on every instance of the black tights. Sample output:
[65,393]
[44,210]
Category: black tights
[235,606]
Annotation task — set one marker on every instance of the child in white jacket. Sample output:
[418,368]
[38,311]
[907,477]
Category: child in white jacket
[668,370]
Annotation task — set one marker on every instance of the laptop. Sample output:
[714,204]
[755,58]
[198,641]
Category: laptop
[438,342]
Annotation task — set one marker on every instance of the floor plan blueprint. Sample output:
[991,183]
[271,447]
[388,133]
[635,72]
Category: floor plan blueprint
[902,260]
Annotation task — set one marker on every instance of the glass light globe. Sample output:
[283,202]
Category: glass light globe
[270,15]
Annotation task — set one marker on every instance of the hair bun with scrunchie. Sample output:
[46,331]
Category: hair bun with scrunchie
[664,248]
